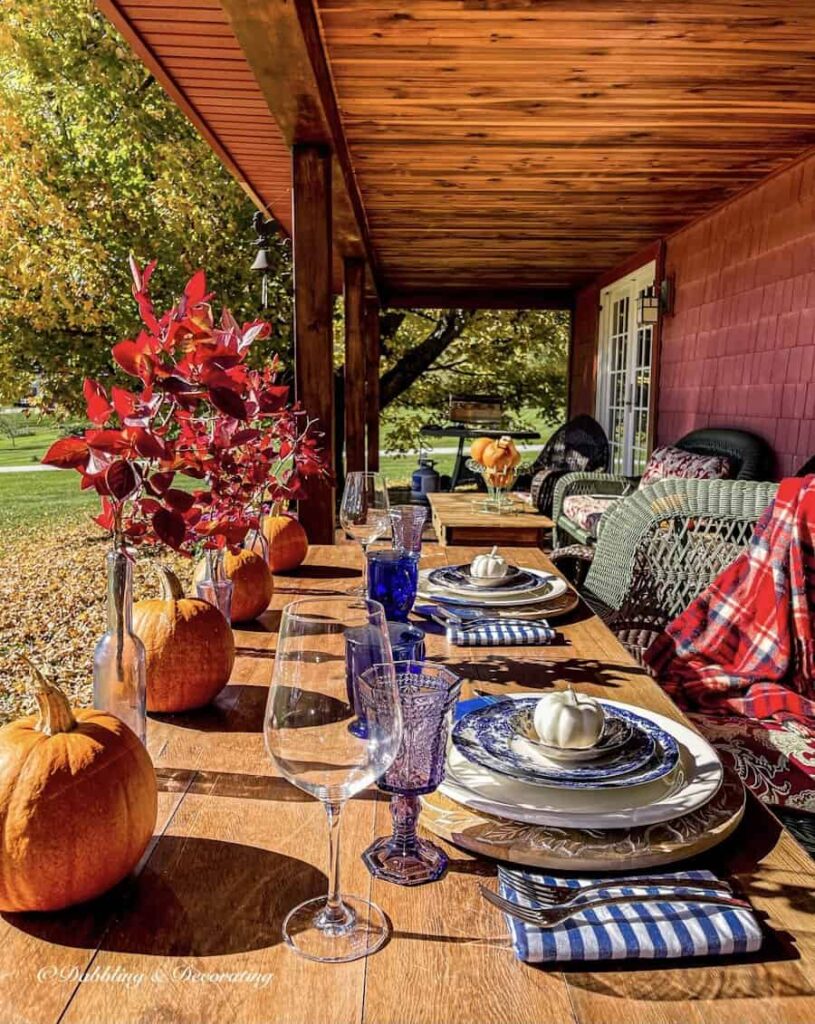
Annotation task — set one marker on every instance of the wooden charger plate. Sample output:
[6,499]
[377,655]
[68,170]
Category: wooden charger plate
[553,609]
[559,606]
[543,846]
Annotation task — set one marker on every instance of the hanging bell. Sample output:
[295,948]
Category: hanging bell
[262,261]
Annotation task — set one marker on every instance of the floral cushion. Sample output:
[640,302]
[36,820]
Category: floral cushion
[586,510]
[775,760]
[667,462]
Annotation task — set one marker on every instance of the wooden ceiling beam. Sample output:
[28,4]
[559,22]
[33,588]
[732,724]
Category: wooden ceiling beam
[282,43]
[468,298]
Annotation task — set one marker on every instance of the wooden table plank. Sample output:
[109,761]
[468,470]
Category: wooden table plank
[457,519]
[239,847]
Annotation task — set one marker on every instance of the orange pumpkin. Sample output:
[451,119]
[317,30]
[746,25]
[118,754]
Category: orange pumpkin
[501,454]
[478,447]
[287,540]
[78,803]
[252,583]
[189,647]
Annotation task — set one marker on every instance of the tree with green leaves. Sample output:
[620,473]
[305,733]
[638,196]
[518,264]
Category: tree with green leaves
[97,163]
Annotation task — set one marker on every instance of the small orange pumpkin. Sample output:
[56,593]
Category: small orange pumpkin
[287,540]
[478,447]
[501,454]
[500,477]
[78,803]
[189,647]
[252,583]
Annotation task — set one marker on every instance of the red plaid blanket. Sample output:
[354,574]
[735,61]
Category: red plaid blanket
[746,643]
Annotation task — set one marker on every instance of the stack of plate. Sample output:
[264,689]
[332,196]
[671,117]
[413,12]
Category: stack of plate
[652,791]
[521,590]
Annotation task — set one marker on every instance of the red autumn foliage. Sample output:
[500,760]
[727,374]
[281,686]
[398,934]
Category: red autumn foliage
[198,411]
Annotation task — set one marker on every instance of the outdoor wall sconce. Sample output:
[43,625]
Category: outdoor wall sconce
[647,306]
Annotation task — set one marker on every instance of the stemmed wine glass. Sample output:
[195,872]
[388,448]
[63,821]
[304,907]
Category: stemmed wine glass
[308,736]
[364,513]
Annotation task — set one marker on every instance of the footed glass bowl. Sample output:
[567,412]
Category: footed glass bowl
[499,483]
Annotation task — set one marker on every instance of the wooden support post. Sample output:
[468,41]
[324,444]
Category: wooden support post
[313,304]
[372,384]
[355,367]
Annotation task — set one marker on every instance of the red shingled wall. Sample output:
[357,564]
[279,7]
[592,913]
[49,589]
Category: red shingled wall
[740,349]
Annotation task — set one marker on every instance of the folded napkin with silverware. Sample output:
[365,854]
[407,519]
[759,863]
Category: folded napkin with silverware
[470,627]
[500,633]
[689,913]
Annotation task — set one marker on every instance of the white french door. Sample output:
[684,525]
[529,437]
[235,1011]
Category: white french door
[624,377]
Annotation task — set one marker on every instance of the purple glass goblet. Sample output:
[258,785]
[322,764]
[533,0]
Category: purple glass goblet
[407,523]
[427,692]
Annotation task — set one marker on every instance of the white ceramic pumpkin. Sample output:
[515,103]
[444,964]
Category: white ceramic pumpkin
[569,720]
[491,566]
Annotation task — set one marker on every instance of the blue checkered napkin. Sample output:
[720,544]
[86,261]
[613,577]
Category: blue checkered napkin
[635,931]
[500,634]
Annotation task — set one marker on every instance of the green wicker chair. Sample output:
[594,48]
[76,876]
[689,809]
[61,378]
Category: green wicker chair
[750,457]
[662,545]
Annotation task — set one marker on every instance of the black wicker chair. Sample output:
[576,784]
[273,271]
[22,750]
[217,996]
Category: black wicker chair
[580,445]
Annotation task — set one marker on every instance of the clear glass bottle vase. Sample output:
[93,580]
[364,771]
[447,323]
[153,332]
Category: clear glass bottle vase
[119,662]
[215,586]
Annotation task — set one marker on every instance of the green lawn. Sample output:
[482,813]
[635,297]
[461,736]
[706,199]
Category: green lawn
[31,498]
[26,451]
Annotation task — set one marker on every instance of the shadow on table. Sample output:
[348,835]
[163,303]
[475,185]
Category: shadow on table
[500,669]
[267,622]
[239,707]
[318,572]
[772,974]
[195,897]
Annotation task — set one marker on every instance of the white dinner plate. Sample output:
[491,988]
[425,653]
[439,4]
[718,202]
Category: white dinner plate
[550,587]
[695,780]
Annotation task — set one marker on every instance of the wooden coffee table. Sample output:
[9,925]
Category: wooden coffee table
[458,519]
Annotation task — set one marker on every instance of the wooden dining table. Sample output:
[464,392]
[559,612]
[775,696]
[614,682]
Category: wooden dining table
[194,937]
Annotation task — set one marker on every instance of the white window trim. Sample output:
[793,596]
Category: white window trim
[631,285]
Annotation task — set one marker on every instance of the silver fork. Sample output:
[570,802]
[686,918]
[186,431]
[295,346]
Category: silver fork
[560,895]
[552,917]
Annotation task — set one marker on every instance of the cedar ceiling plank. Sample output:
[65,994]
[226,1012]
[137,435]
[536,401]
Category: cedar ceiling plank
[531,298]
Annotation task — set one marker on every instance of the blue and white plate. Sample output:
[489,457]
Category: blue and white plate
[547,588]
[458,578]
[497,737]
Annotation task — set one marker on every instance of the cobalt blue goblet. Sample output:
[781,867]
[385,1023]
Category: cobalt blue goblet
[393,577]
[364,648]
[427,692]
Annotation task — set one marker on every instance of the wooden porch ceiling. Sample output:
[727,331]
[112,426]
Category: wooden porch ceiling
[500,148]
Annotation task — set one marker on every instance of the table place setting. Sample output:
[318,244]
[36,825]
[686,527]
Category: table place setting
[560,782]
[491,603]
